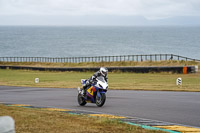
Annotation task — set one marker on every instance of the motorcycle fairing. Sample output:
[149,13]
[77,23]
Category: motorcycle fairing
[83,81]
[90,93]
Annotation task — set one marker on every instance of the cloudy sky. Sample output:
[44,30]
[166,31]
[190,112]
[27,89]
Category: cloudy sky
[99,12]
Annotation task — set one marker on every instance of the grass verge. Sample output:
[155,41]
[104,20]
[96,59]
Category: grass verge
[39,121]
[117,80]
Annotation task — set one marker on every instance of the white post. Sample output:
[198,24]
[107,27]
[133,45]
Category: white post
[37,80]
[7,124]
[179,81]
[196,69]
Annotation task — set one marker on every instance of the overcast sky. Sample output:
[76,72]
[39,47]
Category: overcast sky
[97,12]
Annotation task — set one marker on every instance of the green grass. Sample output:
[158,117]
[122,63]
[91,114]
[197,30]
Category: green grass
[39,121]
[155,81]
[117,80]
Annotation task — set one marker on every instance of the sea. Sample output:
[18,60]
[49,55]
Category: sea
[89,41]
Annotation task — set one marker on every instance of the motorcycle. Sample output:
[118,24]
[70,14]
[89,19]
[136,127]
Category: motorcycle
[96,93]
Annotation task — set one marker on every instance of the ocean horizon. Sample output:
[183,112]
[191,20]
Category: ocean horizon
[89,41]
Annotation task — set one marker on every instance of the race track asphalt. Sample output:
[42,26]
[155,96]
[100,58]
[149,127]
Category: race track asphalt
[175,107]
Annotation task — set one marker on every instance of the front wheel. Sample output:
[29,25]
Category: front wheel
[81,100]
[100,100]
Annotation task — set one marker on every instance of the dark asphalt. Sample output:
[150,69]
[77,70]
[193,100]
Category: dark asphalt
[176,107]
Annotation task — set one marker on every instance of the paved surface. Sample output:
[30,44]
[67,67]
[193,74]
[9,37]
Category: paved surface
[175,107]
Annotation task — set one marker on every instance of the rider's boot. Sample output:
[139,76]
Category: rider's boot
[85,87]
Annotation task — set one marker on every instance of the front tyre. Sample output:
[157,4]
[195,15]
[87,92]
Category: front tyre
[100,100]
[81,100]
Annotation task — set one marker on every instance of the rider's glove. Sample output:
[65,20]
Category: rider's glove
[87,82]
[92,79]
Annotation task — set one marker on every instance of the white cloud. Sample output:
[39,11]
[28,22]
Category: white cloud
[150,9]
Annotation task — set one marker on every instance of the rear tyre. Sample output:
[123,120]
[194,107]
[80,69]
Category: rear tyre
[81,100]
[100,100]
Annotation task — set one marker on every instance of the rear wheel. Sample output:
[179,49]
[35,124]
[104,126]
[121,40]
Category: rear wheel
[81,100]
[100,100]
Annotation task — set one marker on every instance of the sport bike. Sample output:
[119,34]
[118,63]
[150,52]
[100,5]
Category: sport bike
[96,93]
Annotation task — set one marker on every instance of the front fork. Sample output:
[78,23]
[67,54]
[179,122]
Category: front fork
[80,91]
[99,93]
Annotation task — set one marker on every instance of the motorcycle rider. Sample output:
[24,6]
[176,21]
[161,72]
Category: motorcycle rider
[102,72]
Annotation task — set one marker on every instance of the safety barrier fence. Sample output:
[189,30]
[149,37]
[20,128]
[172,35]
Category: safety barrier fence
[173,69]
[136,58]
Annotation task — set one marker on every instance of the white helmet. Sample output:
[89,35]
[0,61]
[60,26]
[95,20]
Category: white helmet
[103,71]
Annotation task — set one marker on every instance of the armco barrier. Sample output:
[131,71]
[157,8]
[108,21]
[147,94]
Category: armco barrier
[173,69]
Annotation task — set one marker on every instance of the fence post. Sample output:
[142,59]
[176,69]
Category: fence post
[160,57]
[155,57]
[171,58]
